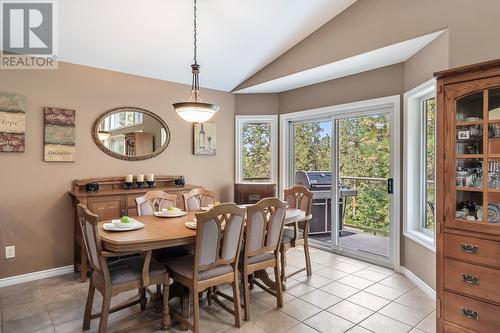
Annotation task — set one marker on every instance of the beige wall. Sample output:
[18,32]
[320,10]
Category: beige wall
[35,209]
[376,83]
[256,104]
[368,25]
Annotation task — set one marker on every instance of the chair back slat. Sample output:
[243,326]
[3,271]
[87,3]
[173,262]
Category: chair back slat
[197,198]
[299,197]
[154,201]
[219,235]
[264,226]
[88,226]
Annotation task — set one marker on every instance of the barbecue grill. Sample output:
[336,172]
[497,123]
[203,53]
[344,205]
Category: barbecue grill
[320,183]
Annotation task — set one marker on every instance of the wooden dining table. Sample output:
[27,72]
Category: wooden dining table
[164,232]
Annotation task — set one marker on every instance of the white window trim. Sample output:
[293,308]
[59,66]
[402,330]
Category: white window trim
[412,205]
[272,120]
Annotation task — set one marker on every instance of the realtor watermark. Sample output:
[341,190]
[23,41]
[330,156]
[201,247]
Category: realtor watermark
[29,34]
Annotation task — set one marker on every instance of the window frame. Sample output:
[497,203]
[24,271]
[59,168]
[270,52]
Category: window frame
[414,165]
[241,120]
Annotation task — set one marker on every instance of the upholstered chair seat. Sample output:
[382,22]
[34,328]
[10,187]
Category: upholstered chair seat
[185,266]
[130,269]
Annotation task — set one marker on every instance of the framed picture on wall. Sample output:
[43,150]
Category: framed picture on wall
[12,122]
[205,139]
[59,135]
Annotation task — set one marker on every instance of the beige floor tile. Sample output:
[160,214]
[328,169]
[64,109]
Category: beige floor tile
[18,311]
[369,301]
[384,291]
[302,328]
[350,311]
[246,327]
[358,329]
[331,273]
[380,324]
[370,274]
[327,322]
[339,289]
[300,310]
[68,313]
[428,324]
[315,280]
[275,321]
[216,321]
[418,300]
[328,260]
[74,326]
[384,270]
[32,296]
[269,299]
[398,281]
[320,298]
[403,313]
[358,263]
[355,282]
[347,267]
[28,324]
[296,288]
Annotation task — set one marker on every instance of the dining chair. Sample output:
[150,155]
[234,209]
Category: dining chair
[197,198]
[154,201]
[263,232]
[298,197]
[113,278]
[219,235]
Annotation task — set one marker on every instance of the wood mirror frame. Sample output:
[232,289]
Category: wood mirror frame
[97,141]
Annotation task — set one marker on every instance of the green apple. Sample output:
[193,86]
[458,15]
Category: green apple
[125,219]
[171,208]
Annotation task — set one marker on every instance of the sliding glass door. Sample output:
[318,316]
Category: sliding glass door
[346,161]
[363,185]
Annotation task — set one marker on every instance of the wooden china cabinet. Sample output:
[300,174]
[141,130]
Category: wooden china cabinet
[112,201]
[468,199]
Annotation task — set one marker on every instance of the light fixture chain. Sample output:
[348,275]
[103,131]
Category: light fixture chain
[194,25]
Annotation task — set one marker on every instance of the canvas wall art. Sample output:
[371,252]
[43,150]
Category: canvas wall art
[205,139]
[59,135]
[12,122]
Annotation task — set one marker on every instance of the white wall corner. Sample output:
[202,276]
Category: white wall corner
[424,287]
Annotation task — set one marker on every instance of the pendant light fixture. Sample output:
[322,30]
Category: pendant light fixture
[195,111]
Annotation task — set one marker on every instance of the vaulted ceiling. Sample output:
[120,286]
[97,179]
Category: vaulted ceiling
[154,38]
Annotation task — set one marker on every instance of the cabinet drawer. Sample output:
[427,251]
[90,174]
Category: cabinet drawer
[472,280]
[469,313]
[480,251]
[451,328]
[107,208]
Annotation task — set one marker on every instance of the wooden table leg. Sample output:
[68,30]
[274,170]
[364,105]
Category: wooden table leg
[264,277]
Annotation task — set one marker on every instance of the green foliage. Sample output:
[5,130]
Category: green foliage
[312,148]
[256,151]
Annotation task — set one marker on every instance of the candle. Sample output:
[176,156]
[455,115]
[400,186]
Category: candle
[129,178]
[150,177]
[140,177]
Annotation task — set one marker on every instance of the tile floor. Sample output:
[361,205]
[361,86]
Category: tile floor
[343,295]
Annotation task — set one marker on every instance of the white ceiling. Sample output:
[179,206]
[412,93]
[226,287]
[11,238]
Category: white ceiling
[378,58]
[153,38]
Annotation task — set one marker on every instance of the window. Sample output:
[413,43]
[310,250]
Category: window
[428,109]
[419,164]
[121,120]
[256,149]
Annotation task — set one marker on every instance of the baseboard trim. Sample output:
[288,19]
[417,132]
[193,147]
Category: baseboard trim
[12,280]
[418,282]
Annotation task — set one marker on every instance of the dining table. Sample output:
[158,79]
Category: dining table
[165,232]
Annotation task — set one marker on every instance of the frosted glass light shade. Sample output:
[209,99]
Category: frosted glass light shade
[195,112]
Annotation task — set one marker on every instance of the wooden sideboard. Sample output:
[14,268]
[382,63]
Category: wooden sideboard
[468,199]
[112,201]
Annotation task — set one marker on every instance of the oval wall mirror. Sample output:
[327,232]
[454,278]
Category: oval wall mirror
[131,133]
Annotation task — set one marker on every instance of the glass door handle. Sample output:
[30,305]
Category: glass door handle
[390,185]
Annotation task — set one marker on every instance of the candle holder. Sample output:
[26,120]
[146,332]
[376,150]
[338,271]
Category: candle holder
[139,184]
[129,185]
[151,183]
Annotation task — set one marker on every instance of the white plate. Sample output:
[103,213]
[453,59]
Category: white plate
[170,214]
[133,226]
[190,225]
[206,209]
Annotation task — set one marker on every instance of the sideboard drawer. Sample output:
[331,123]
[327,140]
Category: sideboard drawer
[469,313]
[472,280]
[479,251]
[451,328]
